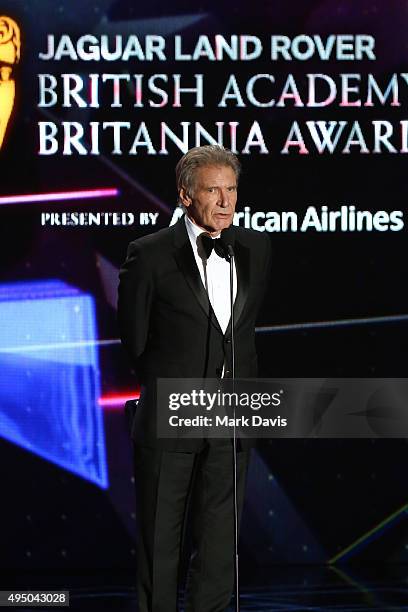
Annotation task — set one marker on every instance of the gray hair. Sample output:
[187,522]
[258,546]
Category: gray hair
[208,155]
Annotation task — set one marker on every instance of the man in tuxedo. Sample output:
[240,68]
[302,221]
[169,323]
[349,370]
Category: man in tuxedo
[174,318]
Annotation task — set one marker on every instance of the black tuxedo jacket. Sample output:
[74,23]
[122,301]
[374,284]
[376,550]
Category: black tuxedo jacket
[168,326]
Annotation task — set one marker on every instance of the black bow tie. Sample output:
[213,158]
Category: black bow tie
[206,244]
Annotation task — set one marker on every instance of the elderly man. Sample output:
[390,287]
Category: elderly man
[174,318]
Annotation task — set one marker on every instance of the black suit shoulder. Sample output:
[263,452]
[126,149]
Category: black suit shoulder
[152,242]
[153,246]
[250,237]
[258,243]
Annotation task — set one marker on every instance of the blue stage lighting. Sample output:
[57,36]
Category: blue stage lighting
[49,388]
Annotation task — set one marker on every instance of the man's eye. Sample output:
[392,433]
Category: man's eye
[231,188]
[210,189]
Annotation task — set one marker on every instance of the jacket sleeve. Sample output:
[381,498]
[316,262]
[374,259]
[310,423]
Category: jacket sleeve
[134,302]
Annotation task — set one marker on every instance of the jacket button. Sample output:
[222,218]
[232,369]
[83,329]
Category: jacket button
[227,373]
[228,340]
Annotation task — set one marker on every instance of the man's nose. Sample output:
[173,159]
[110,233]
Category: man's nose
[224,200]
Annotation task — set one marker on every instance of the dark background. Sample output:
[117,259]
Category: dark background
[308,500]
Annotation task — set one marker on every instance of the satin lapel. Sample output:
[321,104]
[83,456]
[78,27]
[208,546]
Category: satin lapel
[242,266]
[187,264]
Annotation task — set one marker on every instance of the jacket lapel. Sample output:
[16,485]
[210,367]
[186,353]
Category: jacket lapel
[242,266]
[187,264]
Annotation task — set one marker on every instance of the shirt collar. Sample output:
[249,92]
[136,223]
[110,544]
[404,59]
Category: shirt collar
[194,230]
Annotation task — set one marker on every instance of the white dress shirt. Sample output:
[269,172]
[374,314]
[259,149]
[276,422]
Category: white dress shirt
[215,275]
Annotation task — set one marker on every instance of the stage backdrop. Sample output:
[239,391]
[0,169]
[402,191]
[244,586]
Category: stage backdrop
[98,101]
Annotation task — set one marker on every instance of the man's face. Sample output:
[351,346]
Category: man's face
[212,203]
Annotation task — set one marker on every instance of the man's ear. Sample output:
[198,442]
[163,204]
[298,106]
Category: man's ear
[184,198]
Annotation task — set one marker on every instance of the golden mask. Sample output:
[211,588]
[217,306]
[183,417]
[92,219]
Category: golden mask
[9,56]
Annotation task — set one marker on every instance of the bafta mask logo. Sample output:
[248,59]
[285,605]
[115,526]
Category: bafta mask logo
[9,57]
